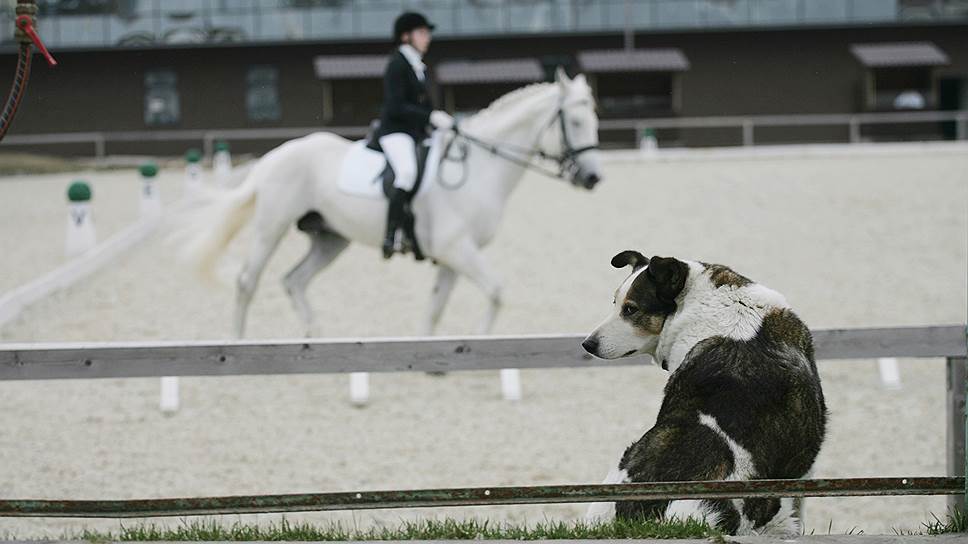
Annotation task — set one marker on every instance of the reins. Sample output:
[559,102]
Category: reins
[522,156]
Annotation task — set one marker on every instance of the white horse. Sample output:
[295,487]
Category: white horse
[555,120]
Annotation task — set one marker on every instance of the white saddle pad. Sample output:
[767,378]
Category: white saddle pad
[360,173]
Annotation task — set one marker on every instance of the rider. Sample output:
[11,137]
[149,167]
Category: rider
[406,114]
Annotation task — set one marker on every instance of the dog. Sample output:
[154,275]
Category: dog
[743,399]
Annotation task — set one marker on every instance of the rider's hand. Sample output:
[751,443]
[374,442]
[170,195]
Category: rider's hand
[441,120]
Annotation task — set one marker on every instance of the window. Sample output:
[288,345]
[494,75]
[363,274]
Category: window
[902,88]
[262,97]
[636,94]
[161,98]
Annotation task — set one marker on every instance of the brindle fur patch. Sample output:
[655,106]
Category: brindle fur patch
[721,276]
[648,323]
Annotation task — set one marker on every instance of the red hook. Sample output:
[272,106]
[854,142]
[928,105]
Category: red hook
[26,24]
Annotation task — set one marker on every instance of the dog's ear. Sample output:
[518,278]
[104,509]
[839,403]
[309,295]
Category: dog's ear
[629,257]
[669,275]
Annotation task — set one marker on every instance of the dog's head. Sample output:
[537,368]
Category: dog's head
[642,304]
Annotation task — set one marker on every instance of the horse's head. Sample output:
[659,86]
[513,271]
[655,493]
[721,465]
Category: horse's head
[578,125]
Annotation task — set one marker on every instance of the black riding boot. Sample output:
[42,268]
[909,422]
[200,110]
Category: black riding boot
[395,217]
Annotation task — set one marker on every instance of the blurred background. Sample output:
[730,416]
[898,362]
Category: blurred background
[293,65]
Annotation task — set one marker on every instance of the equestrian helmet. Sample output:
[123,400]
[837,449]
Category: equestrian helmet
[408,21]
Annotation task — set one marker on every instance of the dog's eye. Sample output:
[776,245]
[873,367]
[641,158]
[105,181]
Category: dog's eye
[629,309]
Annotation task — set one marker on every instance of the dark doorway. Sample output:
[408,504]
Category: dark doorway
[950,96]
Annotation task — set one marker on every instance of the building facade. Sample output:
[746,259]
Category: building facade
[162,66]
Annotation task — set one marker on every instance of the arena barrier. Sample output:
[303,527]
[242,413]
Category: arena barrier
[643,128]
[234,358]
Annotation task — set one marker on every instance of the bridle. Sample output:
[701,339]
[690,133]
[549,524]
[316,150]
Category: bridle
[567,160]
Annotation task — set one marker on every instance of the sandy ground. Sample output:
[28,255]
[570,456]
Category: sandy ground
[851,241]
[33,216]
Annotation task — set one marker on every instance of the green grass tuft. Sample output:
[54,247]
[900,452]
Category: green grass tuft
[447,529]
[955,522]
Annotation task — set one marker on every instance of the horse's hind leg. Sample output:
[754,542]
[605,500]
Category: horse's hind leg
[323,249]
[263,244]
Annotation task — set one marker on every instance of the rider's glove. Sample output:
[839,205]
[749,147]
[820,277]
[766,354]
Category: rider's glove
[441,120]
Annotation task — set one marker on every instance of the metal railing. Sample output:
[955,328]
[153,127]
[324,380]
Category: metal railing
[480,496]
[205,137]
[853,122]
[233,358]
[747,124]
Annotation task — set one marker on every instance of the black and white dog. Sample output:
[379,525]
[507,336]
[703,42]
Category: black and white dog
[743,400]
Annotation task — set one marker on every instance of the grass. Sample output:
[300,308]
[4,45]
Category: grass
[954,522]
[447,529]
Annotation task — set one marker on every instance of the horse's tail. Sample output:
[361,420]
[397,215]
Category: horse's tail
[215,224]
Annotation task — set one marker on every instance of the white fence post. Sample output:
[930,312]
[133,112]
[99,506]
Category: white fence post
[169,402]
[747,132]
[222,164]
[854,130]
[511,383]
[359,388]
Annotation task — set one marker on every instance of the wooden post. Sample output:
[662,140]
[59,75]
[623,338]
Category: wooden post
[854,130]
[956,425]
[449,102]
[747,132]
[328,105]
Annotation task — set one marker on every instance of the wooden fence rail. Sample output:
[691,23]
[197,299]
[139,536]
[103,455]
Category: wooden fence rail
[234,358]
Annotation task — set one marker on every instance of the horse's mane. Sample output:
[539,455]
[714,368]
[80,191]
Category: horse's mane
[501,102]
[514,96]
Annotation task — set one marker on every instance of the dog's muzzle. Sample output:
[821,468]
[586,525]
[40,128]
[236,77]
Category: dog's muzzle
[590,345]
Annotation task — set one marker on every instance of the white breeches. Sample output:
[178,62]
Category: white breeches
[401,151]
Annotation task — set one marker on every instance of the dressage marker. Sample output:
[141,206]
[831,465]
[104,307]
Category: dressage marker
[150,193]
[193,172]
[81,235]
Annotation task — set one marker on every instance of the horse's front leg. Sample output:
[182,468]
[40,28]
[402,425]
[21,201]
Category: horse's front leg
[466,259]
[443,287]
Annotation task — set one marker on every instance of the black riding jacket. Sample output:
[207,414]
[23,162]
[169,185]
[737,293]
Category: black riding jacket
[406,100]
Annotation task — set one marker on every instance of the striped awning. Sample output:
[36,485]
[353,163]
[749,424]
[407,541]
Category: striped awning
[350,66]
[636,60]
[880,55]
[490,71]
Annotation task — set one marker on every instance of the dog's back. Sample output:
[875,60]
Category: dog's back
[743,399]
[735,410]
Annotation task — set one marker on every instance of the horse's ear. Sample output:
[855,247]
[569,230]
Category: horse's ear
[580,80]
[561,76]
